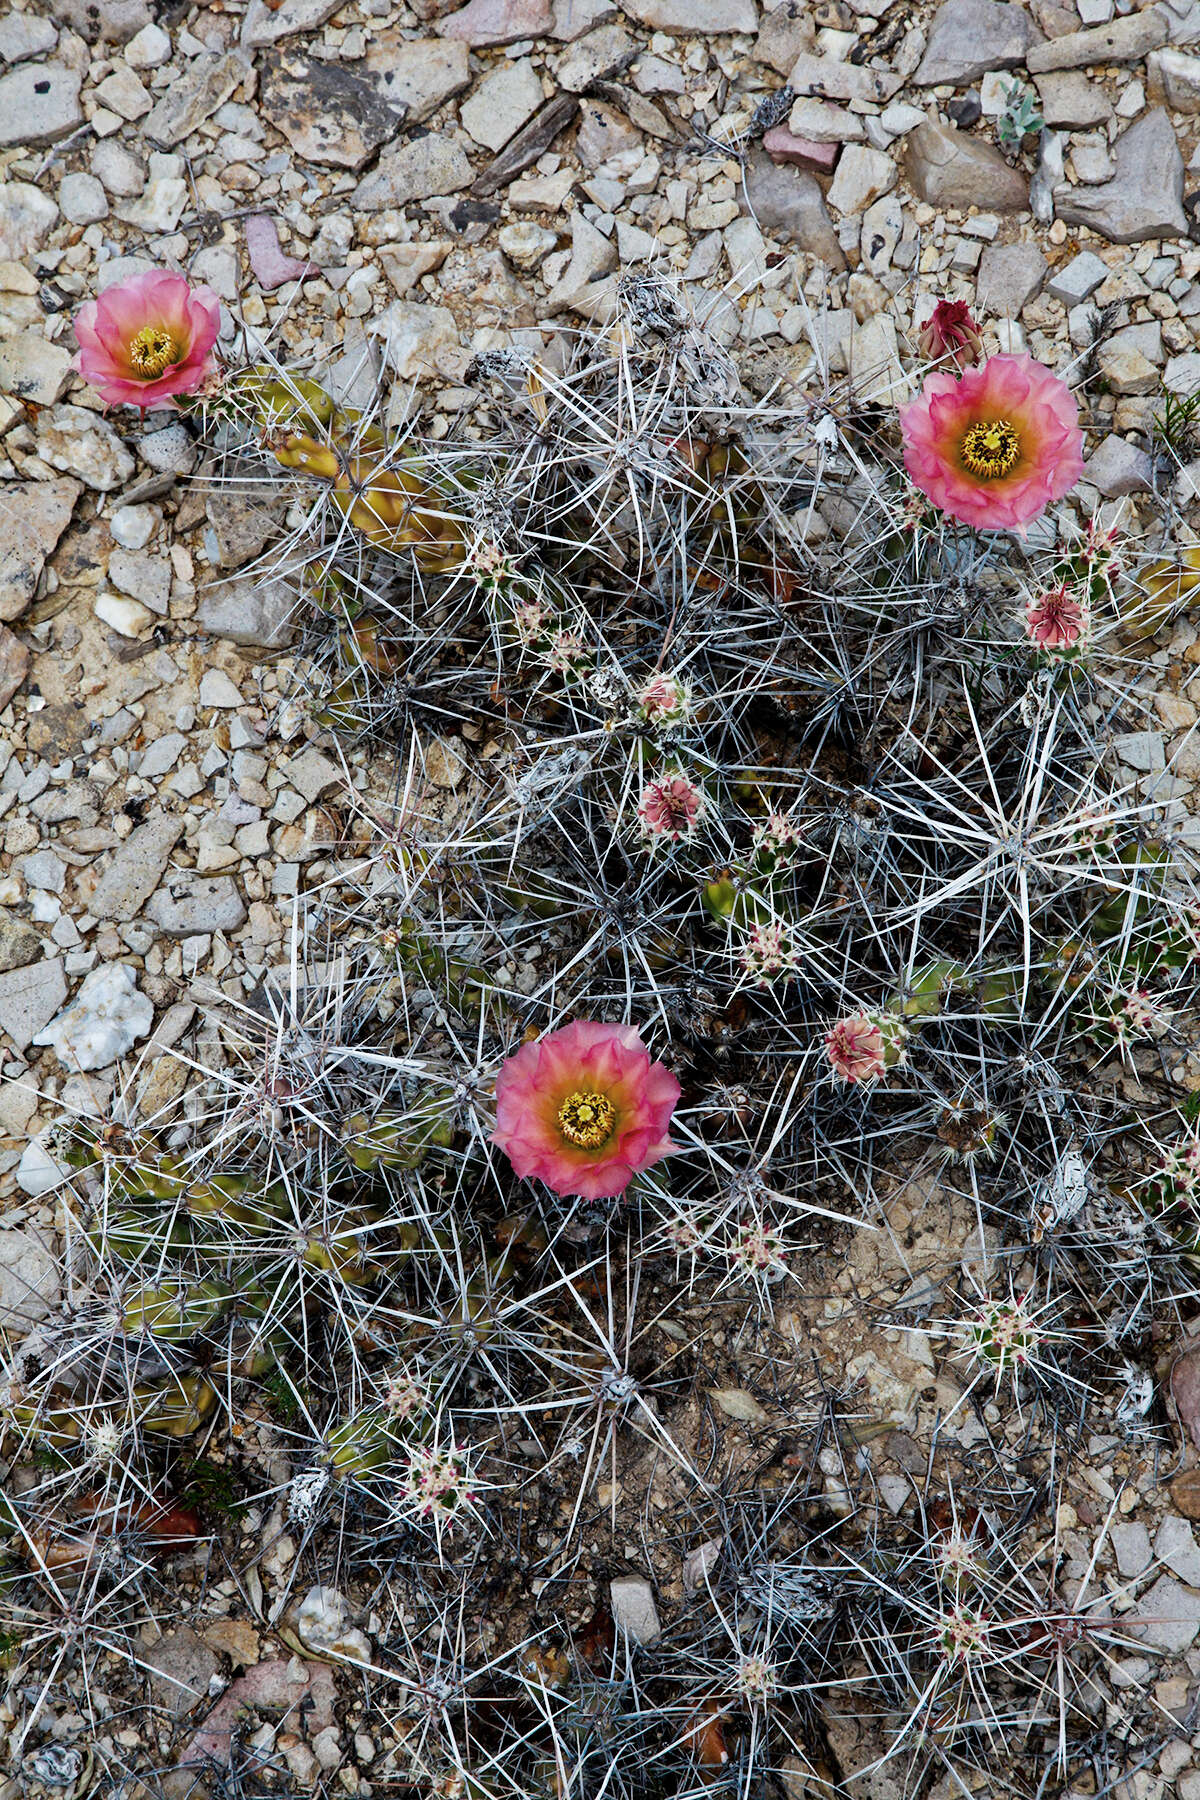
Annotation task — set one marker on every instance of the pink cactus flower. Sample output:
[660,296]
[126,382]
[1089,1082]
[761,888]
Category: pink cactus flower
[663,700]
[670,808]
[585,1109]
[1056,620]
[147,339]
[994,445]
[950,331]
[856,1048]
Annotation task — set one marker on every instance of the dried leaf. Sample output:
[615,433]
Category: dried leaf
[738,1404]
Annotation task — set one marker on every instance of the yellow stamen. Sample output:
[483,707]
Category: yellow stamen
[586,1120]
[991,448]
[152,351]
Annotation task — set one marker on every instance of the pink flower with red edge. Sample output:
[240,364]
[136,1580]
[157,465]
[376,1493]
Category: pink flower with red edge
[951,331]
[585,1110]
[145,340]
[670,808]
[994,445]
[1056,620]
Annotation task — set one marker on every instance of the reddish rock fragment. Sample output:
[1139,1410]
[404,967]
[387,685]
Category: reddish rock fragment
[783,146]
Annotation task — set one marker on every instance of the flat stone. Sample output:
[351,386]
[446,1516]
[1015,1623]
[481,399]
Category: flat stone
[418,341]
[969,38]
[32,368]
[1182,374]
[634,1612]
[833,80]
[1175,79]
[205,84]
[169,450]
[188,905]
[311,774]
[29,998]
[486,22]
[1176,1547]
[1081,277]
[502,103]
[422,167]
[242,524]
[39,103]
[785,33]
[600,55]
[216,689]
[882,227]
[23,35]
[124,94]
[706,17]
[593,257]
[862,176]
[789,205]
[1185,1392]
[109,21]
[266,24]
[948,168]
[149,48]
[822,122]
[19,942]
[144,575]
[27,217]
[30,1284]
[1071,102]
[1130,360]
[136,869]
[33,516]
[82,199]
[81,443]
[783,146]
[1145,197]
[328,116]
[121,172]
[1166,1618]
[251,612]
[416,75]
[1118,467]
[180,1667]
[1131,1547]
[14,664]
[1009,276]
[161,755]
[1125,40]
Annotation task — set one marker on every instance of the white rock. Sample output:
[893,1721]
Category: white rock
[30,1286]
[37,1172]
[82,199]
[134,526]
[323,1624]
[150,48]
[525,244]
[105,1019]
[127,616]
[216,689]
[417,340]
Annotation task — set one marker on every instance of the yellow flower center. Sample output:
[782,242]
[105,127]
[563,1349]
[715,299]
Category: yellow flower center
[586,1120]
[153,350]
[991,449]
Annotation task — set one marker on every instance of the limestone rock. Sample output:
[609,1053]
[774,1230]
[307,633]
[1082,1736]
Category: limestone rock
[136,869]
[485,22]
[948,168]
[1175,79]
[27,217]
[1071,102]
[1009,276]
[328,115]
[502,103]
[33,516]
[206,84]
[266,24]
[1117,467]
[415,75]
[32,368]
[39,103]
[29,998]
[30,1286]
[1144,199]
[707,17]
[251,612]
[188,905]
[1124,40]
[789,204]
[417,170]
[83,444]
[969,38]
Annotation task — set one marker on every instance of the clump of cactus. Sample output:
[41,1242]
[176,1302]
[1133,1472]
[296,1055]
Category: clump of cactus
[823,819]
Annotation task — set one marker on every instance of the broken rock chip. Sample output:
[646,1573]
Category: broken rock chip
[949,168]
[969,38]
[33,516]
[327,115]
[103,1022]
[424,166]
[271,264]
